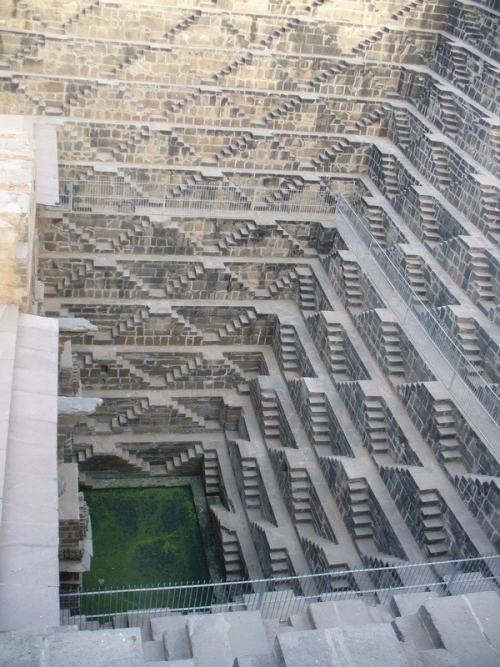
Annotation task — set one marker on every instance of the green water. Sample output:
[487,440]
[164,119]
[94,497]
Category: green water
[144,537]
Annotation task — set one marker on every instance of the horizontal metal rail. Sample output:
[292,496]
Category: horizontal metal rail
[280,597]
[472,393]
[121,195]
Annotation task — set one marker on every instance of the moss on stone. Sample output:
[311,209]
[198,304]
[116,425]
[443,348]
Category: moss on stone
[144,537]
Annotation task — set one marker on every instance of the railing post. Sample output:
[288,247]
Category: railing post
[454,575]
[263,586]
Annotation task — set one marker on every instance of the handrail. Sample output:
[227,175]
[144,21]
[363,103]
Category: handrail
[282,596]
[481,392]
[122,195]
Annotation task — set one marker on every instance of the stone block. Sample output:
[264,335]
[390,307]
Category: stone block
[338,614]
[173,631]
[454,624]
[106,648]
[404,605]
[217,640]
[367,645]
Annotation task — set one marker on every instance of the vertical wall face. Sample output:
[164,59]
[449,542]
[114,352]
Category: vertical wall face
[17,211]
[210,287]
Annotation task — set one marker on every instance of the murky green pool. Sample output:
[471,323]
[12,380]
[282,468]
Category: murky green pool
[143,537]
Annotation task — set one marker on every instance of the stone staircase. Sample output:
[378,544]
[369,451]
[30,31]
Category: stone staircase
[441,168]
[179,464]
[401,127]
[490,210]
[336,352]
[351,274]
[367,44]
[375,220]
[329,155]
[428,221]
[251,485]
[231,555]
[289,106]
[103,453]
[376,430]
[277,34]
[392,350]
[241,236]
[192,19]
[181,282]
[211,472]
[144,323]
[300,496]
[332,71]
[287,351]
[390,176]
[318,418]
[252,629]
[307,293]
[415,277]
[481,276]
[434,537]
[448,445]
[460,66]
[236,326]
[360,510]
[270,415]
[449,113]
[468,343]
[102,367]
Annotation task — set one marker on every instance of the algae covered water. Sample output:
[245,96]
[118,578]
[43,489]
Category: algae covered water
[144,537]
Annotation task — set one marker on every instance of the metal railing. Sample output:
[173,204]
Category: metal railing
[470,390]
[281,597]
[120,195]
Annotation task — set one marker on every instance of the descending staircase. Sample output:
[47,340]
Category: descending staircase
[441,169]
[350,270]
[211,473]
[375,219]
[392,350]
[431,233]
[318,415]
[431,515]
[103,452]
[415,277]
[449,113]
[472,26]
[360,509]
[270,414]
[299,488]
[287,351]
[390,176]
[376,428]
[337,358]
[402,127]
[231,553]
[307,296]
[480,276]
[467,341]
[237,326]
[490,210]
[459,61]
[448,444]
[177,464]
[251,486]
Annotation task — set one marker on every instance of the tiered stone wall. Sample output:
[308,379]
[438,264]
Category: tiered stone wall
[244,333]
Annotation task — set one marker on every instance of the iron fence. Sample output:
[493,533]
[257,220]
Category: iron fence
[280,597]
[121,195]
[470,389]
